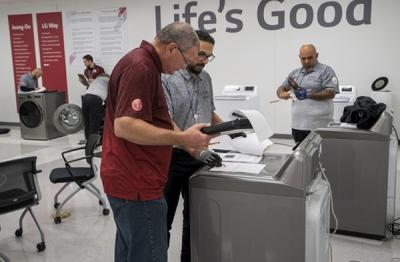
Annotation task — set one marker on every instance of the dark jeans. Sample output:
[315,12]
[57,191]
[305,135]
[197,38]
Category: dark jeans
[300,135]
[181,168]
[141,230]
[93,114]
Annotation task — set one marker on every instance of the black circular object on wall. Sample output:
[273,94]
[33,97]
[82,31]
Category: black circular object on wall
[380,83]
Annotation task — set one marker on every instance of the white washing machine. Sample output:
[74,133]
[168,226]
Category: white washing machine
[346,97]
[36,114]
[236,97]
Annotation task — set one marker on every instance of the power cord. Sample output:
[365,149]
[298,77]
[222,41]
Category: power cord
[331,200]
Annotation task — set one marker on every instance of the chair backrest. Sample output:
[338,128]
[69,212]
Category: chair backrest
[18,184]
[94,140]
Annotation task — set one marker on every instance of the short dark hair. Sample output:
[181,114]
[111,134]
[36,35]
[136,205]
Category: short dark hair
[88,57]
[204,36]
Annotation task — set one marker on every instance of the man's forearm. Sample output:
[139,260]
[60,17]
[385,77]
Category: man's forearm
[322,95]
[282,92]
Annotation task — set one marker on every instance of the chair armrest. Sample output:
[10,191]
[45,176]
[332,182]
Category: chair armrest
[77,159]
[69,151]
[69,169]
[98,154]
[34,172]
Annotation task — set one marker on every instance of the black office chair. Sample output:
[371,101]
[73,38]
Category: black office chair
[82,176]
[19,189]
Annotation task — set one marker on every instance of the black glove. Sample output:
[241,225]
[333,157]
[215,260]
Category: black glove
[210,158]
[292,83]
[238,134]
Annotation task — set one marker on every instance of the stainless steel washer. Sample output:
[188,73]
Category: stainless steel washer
[36,114]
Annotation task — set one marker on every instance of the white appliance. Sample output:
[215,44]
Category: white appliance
[346,97]
[236,97]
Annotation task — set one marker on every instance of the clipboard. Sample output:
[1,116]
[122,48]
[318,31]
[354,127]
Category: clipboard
[83,80]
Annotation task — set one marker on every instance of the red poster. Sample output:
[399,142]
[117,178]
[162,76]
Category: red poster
[22,45]
[52,55]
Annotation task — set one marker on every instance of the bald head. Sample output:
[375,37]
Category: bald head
[308,55]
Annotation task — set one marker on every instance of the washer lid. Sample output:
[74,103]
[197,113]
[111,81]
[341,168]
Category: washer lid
[380,83]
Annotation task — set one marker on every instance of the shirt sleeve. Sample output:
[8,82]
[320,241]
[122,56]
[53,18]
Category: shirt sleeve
[212,93]
[23,81]
[136,93]
[329,79]
[167,93]
[99,71]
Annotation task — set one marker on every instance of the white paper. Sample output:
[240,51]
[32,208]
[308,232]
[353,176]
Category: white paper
[259,123]
[222,142]
[239,167]
[40,89]
[237,157]
[250,145]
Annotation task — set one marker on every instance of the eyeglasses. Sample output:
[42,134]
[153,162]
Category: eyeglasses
[186,60]
[203,56]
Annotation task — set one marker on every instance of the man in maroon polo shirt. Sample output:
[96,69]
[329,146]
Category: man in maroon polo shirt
[92,70]
[137,140]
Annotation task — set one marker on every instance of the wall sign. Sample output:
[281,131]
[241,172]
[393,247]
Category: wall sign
[52,55]
[22,45]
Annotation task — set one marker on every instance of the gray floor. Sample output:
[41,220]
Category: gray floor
[87,235]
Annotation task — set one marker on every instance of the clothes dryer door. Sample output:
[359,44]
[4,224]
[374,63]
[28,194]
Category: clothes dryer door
[68,119]
[30,114]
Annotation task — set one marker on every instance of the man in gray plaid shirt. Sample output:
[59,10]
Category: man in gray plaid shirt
[189,97]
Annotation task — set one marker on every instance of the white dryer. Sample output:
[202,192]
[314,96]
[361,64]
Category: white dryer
[346,97]
[236,97]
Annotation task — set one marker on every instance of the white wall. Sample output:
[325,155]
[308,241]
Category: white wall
[359,54]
